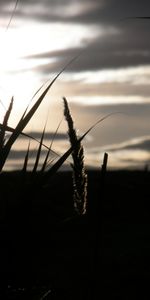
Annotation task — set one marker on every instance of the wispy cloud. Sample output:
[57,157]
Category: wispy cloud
[47,136]
[121,42]
[140,143]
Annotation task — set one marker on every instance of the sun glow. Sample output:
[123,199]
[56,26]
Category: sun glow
[20,69]
[35,39]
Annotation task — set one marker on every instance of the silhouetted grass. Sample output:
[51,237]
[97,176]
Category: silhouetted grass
[18,193]
[36,183]
[79,174]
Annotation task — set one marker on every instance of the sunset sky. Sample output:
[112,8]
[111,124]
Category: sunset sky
[110,74]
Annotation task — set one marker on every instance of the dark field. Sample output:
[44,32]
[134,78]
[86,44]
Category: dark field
[46,247]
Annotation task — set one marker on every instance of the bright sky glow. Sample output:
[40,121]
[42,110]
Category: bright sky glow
[18,74]
[105,100]
[36,39]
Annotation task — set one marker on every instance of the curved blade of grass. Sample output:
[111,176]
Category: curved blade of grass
[39,89]
[4,125]
[39,152]
[24,121]
[49,150]
[11,129]
[24,169]
[54,79]
[64,157]
[50,162]
[12,15]
[63,69]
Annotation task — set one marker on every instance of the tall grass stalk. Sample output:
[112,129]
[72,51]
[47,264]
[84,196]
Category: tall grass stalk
[55,167]
[79,174]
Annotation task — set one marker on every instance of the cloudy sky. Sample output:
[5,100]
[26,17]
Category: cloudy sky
[111,73]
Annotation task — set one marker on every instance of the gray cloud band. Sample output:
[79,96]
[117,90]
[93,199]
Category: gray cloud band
[128,46]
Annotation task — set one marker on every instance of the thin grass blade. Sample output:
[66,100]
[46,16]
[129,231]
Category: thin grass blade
[46,162]
[11,129]
[4,125]
[38,152]
[24,169]
[12,15]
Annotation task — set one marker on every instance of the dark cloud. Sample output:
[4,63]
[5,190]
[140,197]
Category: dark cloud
[128,48]
[89,11]
[83,11]
[20,154]
[125,42]
[95,60]
[141,145]
[49,10]
[47,136]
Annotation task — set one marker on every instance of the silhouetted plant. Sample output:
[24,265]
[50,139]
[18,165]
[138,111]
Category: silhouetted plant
[79,174]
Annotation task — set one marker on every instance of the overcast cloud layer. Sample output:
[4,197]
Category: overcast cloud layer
[122,42]
[113,62]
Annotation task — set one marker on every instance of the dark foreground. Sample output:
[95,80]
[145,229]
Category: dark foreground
[47,252]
